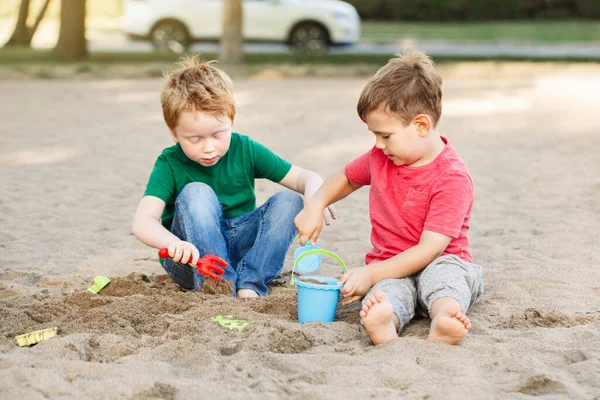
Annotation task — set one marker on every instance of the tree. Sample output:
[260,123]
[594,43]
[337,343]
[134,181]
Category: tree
[71,44]
[231,49]
[23,34]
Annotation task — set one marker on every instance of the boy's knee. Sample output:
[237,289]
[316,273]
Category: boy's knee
[197,198]
[288,201]
[195,190]
[399,288]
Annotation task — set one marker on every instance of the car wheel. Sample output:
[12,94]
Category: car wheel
[310,38]
[170,36]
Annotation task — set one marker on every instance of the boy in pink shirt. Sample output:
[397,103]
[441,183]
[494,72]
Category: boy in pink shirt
[420,204]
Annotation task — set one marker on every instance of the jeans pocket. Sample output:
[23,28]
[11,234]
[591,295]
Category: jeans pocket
[181,274]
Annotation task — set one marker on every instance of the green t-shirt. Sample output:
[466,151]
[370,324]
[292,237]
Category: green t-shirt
[232,178]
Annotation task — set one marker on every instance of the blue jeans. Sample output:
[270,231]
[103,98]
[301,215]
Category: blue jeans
[254,245]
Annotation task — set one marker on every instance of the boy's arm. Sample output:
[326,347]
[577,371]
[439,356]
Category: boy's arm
[409,262]
[358,281]
[307,183]
[309,221]
[148,229]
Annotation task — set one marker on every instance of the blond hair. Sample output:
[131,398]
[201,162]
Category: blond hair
[196,87]
[408,85]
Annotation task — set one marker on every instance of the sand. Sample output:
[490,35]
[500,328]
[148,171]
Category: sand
[74,159]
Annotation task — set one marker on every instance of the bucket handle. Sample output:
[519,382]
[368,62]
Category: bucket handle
[318,251]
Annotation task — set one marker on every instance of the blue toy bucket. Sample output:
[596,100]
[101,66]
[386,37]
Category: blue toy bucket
[310,263]
[317,302]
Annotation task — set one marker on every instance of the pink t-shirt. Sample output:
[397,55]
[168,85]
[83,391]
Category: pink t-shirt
[404,201]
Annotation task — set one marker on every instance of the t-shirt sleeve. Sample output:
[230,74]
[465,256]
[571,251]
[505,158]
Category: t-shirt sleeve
[451,202]
[358,171]
[161,183]
[267,164]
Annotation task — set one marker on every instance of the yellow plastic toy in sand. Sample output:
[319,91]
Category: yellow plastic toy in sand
[32,338]
[229,323]
[100,281]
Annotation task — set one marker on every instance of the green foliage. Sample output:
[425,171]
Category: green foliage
[475,10]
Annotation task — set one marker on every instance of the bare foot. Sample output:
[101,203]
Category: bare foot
[246,293]
[377,315]
[449,326]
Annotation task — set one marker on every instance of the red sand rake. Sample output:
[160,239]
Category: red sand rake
[208,265]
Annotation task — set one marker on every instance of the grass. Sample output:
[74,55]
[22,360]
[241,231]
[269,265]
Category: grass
[22,56]
[41,64]
[514,31]
[14,56]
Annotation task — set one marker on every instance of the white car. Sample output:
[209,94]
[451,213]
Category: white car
[304,24]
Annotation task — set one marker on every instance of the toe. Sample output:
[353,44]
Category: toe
[468,323]
[362,314]
[379,296]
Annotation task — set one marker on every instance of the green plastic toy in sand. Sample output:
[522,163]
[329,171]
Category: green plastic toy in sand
[229,323]
[100,281]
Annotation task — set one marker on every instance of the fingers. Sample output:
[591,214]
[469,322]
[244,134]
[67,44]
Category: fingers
[177,253]
[309,223]
[303,238]
[328,217]
[315,236]
[348,290]
[172,247]
[186,255]
[344,278]
[184,252]
[333,211]
[195,256]
[351,300]
[304,235]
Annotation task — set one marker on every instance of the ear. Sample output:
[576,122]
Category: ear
[423,124]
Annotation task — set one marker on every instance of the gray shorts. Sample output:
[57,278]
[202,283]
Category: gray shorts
[446,276]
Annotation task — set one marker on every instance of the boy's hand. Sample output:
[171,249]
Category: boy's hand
[330,214]
[309,223]
[357,283]
[181,252]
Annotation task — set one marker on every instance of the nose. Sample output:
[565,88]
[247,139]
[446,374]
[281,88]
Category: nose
[379,143]
[209,147]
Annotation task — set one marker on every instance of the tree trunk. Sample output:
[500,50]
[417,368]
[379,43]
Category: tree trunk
[231,49]
[19,36]
[39,19]
[72,44]
[23,34]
